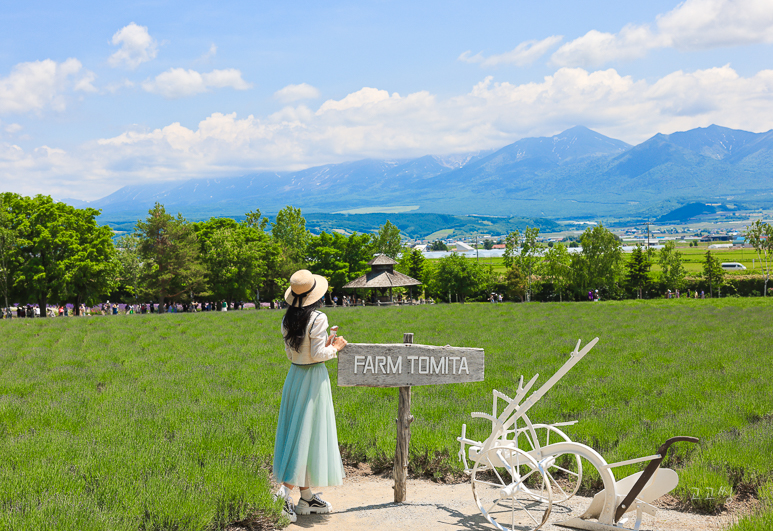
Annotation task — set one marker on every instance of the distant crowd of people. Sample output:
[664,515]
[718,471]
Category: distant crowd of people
[677,295]
[352,300]
[108,308]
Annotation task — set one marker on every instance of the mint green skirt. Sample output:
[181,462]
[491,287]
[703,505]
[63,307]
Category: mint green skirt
[306,445]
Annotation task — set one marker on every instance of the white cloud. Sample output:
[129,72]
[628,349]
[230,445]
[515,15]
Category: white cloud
[523,55]
[84,84]
[137,47]
[13,128]
[692,25]
[596,48]
[700,24]
[38,85]
[363,97]
[292,93]
[210,53]
[374,123]
[178,82]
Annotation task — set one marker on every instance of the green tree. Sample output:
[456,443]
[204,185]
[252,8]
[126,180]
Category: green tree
[91,268]
[455,275]
[515,283]
[289,231]
[7,244]
[234,261]
[760,236]
[205,229]
[523,252]
[488,244]
[437,245]
[672,271]
[713,273]
[127,250]
[60,253]
[387,240]
[238,257]
[339,258]
[277,274]
[326,258]
[557,269]
[170,252]
[638,270]
[599,264]
[412,264]
[39,250]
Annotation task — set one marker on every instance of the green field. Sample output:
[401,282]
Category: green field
[692,258]
[167,422]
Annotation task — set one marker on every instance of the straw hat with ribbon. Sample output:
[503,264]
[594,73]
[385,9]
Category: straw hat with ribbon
[305,288]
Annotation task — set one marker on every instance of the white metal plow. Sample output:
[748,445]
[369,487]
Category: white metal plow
[523,469]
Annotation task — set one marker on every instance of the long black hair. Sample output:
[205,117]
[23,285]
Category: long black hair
[295,322]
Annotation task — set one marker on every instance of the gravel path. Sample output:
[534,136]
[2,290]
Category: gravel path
[365,503]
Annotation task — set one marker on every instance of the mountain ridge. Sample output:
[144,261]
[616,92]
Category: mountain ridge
[554,176]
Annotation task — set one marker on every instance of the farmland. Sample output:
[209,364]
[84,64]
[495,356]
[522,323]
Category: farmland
[692,258]
[167,422]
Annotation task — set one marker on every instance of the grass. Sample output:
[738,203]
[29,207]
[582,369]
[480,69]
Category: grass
[760,519]
[167,422]
[439,234]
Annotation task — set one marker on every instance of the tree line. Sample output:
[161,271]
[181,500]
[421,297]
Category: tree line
[594,266]
[53,253]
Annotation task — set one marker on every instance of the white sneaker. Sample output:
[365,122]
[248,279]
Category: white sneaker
[315,505]
[289,507]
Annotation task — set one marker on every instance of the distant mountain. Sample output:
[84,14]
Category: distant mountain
[714,141]
[574,145]
[687,212]
[576,173]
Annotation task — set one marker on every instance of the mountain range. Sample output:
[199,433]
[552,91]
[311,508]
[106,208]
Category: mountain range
[577,173]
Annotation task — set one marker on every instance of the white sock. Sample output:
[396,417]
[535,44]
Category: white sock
[285,492]
[306,494]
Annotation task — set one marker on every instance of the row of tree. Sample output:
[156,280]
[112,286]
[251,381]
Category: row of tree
[534,270]
[51,252]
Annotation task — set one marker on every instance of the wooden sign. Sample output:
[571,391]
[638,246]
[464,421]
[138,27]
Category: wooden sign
[401,365]
[405,365]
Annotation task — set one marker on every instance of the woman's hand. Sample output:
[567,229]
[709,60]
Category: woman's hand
[339,343]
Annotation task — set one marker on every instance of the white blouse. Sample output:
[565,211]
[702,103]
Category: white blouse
[313,349]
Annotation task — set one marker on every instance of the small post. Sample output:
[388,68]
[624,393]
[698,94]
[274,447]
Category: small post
[404,419]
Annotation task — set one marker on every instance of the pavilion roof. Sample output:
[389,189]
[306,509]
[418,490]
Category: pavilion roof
[382,259]
[382,279]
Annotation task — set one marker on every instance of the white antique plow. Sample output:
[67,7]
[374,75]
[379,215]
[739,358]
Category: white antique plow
[522,469]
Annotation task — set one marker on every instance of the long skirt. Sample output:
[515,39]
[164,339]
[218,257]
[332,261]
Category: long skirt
[306,445]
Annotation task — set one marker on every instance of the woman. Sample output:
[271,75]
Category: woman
[306,448]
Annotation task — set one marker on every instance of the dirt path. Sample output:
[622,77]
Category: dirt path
[365,503]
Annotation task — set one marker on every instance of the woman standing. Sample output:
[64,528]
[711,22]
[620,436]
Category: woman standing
[306,447]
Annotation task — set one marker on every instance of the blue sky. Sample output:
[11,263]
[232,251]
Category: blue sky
[95,96]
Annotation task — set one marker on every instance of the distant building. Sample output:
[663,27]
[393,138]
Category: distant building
[462,247]
[717,238]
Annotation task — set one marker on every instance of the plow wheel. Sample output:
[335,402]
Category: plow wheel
[511,489]
[564,471]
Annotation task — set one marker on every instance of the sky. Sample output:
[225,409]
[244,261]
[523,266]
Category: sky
[95,96]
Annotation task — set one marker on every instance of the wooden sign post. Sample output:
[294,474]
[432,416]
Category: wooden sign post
[405,365]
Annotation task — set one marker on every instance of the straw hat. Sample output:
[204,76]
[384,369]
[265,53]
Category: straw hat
[305,288]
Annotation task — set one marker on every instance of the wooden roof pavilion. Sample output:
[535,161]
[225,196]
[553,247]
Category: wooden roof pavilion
[382,275]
